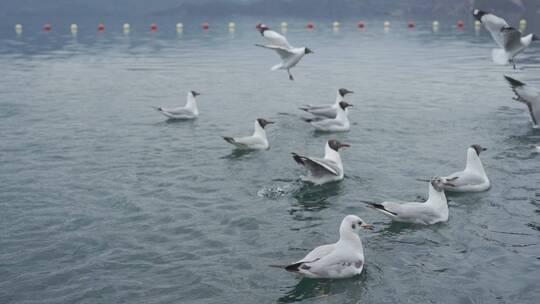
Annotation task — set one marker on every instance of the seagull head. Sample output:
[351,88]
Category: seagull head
[336,145]
[344,92]
[195,94]
[308,51]
[478,148]
[352,224]
[478,14]
[344,105]
[535,38]
[261,27]
[439,184]
[263,122]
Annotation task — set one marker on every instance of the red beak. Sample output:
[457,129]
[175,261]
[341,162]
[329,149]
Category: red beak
[344,146]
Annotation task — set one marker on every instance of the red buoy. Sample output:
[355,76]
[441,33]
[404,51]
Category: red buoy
[310,25]
[205,26]
[361,24]
[153,27]
[410,24]
[101,27]
[460,24]
[47,27]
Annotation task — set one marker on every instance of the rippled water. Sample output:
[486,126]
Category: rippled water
[103,201]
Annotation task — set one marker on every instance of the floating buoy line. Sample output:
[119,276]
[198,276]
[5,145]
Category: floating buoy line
[153,27]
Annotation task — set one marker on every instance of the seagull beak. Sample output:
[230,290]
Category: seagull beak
[270,122]
[367,226]
[349,92]
[423,180]
[535,38]
[484,149]
[344,146]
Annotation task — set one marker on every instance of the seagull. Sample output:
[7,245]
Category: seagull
[324,170]
[343,259]
[339,124]
[327,110]
[433,211]
[189,111]
[507,37]
[257,141]
[473,178]
[529,96]
[289,55]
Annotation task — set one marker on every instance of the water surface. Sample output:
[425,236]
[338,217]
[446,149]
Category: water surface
[103,201]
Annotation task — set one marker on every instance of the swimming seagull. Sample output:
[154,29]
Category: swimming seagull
[473,178]
[339,124]
[327,110]
[189,111]
[324,170]
[434,210]
[257,141]
[289,55]
[527,95]
[507,37]
[342,259]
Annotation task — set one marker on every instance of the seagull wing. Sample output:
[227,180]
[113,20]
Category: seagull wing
[335,262]
[463,178]
[277,39]
[317,166]
[283,53]
[494,25]
[511,38]
[527,95]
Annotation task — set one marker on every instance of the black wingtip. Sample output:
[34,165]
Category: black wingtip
[513,82]
[293,267]
[297,158]
[380,206]
[307,119]
[228,139]
[303,109]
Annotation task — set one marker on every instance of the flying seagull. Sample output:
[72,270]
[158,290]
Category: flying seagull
[508,38]
[527,95]
[289,55]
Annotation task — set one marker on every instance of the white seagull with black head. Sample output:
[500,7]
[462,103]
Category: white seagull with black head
[326,169]
[343,259]
[507,37]
[289,55]
[432,211]
[529,96]
[473,178]
[257,141]
[338,124]
[189,111]
[327,110]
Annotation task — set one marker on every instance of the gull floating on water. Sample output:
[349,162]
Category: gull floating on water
[327,110]
[507,37]
[342,259]
[434,210]
[289,55]
[338,124]
[257,141]
[324,170]
[473,178]
[529,96]
[189,111]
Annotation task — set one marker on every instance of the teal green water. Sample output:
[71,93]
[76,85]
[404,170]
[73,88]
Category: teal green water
[103,201]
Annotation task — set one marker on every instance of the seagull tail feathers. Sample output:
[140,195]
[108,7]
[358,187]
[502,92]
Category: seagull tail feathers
[500,56]
[513,82]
